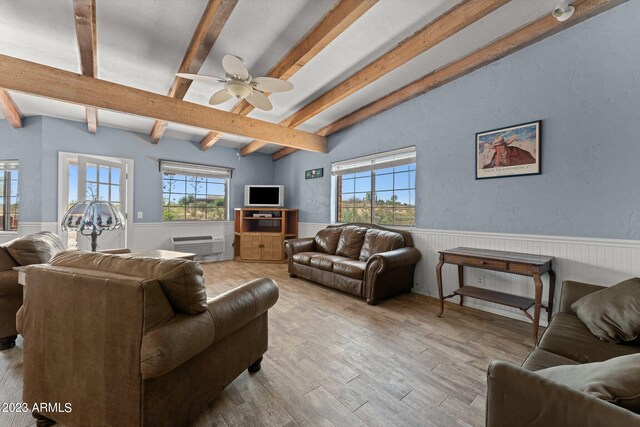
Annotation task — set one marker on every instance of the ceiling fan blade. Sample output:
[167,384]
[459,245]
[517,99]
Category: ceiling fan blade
[258,100]
[201,78]
[234,66]
[269,84]
[219,97]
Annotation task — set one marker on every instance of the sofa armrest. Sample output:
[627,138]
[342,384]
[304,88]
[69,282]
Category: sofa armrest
[391,260]
[517,397]
[573,291]
[234,309]
[117,251]
[293,246]
[174,342]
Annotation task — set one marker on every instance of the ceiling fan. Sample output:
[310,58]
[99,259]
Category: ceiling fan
[239,83]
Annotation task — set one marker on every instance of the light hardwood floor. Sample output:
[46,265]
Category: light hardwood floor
[334,360]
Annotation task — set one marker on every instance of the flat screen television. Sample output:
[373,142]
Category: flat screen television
[268,196]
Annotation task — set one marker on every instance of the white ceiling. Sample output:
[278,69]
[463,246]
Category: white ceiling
[141,44]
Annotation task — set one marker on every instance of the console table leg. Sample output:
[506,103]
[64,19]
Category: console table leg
[461,281]
[552,293]
[536,307]
[439,277]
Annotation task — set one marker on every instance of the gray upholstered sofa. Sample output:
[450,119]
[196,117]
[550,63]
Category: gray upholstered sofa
[517,396]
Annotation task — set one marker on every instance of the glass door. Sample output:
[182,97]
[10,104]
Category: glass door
[99,179]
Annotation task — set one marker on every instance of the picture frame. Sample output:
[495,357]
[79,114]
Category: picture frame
[509,151]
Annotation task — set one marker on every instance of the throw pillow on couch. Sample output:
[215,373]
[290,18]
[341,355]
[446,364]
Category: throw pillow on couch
[612,314]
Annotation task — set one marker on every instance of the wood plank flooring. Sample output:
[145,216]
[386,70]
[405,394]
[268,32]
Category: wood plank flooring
[333,360]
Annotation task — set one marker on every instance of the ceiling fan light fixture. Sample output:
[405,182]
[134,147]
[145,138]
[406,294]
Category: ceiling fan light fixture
[239,89]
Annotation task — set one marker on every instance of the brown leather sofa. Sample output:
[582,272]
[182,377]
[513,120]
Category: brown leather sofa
[33,249]
[516,396]
[130,341]
[366,260]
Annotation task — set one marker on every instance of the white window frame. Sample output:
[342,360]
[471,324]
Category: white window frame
[199,170]
[399,157]
[2,170]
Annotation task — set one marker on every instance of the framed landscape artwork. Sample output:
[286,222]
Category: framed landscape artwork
[511,151]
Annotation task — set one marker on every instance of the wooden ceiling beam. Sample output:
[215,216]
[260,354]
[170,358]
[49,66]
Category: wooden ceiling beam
[10,110]
[214,18]
[444,26]
[506,45]
[331,25]
[84,12]
[41,80]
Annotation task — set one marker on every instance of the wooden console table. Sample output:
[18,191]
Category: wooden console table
[508,262]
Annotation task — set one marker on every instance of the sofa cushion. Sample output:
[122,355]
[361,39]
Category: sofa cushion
[325,262]
[612,314]
[327,240]
[377,241]
[351,268]
[542,359]
[614,380]
[181,280]
[303,258]
[351,240]
[567,336]
[35,248]
[6,261]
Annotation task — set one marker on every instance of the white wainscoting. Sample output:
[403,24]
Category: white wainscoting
[157,235]
[25,228]
[148,236]
[600,261]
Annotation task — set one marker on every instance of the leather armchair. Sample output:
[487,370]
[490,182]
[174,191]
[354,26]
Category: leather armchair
[32,249]
[148,350]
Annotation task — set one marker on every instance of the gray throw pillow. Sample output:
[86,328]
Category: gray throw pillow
[615,380]
[612,314]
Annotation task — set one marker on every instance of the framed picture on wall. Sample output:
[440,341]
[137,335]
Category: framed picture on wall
[510,151]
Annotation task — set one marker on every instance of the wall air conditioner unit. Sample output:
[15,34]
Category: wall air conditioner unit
[202,246]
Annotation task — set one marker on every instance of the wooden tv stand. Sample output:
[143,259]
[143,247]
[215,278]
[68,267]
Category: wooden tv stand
[259,237]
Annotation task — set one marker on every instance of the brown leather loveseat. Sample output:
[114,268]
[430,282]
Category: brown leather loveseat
[517,396]
[365,260]
[130,341]
[32,249]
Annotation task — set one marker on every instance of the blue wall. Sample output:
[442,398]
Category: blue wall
[583,83]
[37,146]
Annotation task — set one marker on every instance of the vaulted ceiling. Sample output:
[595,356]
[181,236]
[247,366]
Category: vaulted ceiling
[341,55]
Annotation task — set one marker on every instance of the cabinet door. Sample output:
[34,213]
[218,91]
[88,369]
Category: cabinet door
[250,246]
[272,247]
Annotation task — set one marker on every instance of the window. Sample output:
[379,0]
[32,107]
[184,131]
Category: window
[9,195]
[380,189]
[194,192]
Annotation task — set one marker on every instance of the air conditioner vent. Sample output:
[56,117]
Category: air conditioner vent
[202,246]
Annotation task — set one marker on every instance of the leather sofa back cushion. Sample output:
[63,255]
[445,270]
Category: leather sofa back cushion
[377,241]
[6,261]
[181,280]
[327,240]
[614,380]
[35,248]
[612,314]
[351,240]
